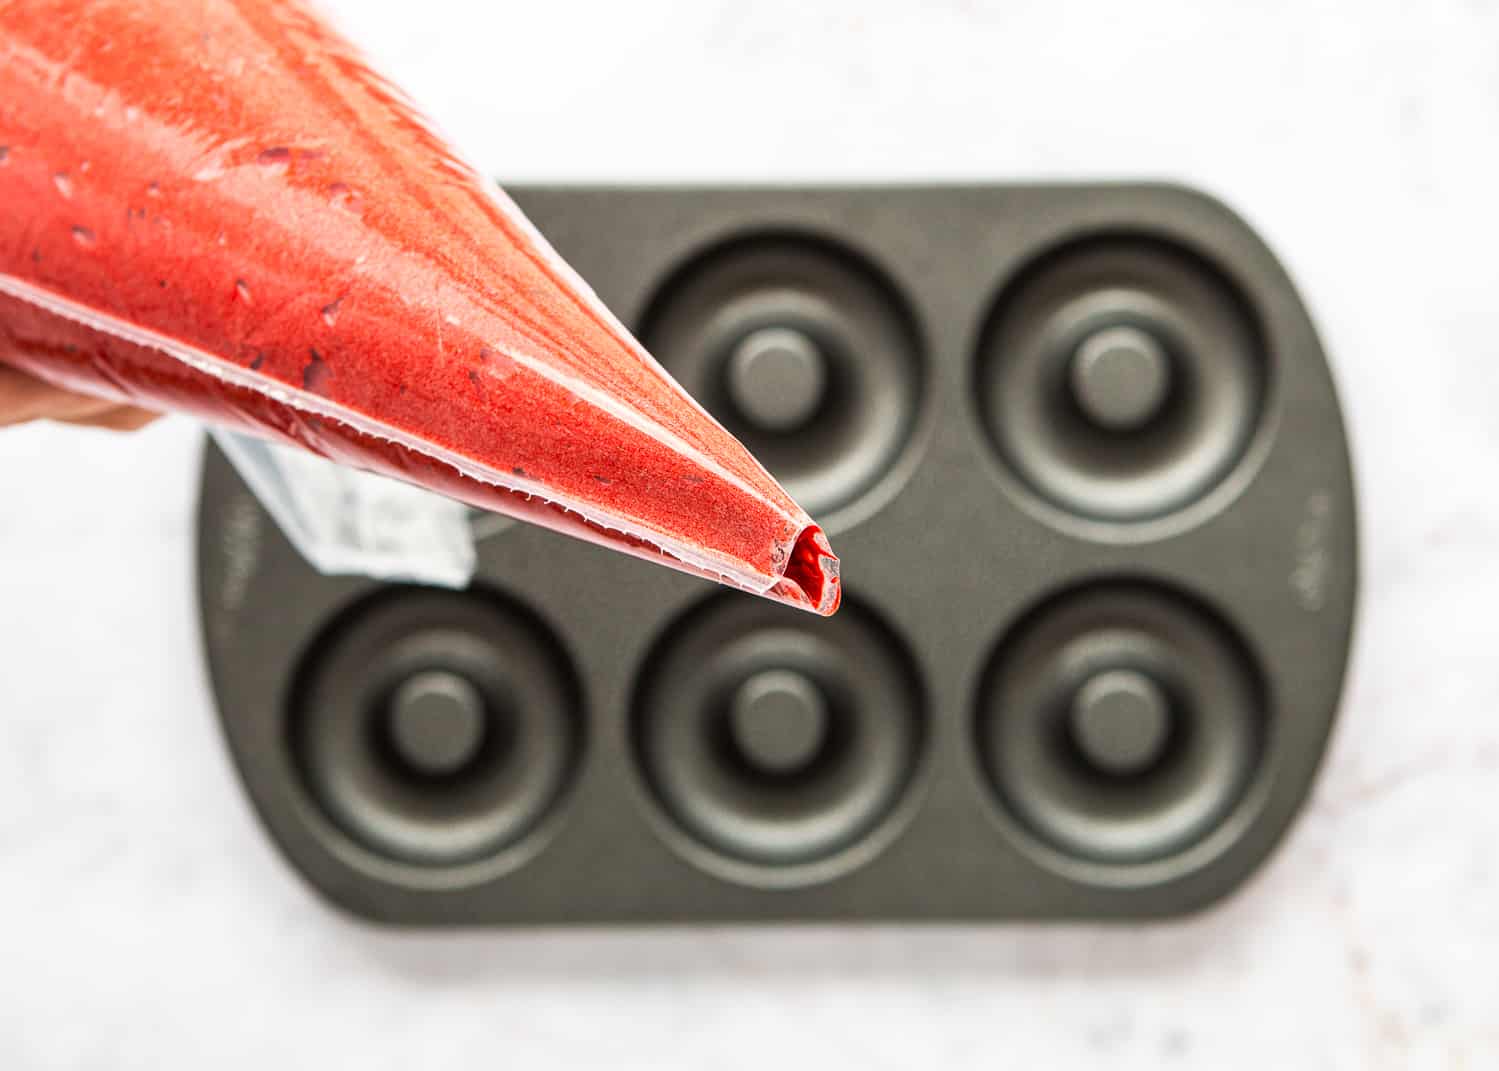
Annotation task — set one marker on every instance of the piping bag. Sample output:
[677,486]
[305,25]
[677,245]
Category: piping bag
[218,208]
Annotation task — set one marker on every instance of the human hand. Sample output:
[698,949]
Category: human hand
[24,398]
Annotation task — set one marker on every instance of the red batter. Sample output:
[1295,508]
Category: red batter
[218,208]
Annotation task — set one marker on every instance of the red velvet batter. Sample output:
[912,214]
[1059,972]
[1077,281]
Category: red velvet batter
[218,208]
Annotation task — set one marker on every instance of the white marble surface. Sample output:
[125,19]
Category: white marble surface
[145,922]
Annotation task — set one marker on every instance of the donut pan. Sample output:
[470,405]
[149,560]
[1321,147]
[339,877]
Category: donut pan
[1081,454]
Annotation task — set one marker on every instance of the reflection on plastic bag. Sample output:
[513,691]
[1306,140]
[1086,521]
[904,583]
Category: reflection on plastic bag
[344,521]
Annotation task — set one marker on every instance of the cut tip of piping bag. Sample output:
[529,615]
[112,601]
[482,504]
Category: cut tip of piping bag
[811,580]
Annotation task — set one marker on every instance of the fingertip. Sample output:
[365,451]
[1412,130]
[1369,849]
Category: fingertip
[120,418]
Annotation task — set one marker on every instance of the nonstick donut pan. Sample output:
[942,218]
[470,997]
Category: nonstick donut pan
[1080,452]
